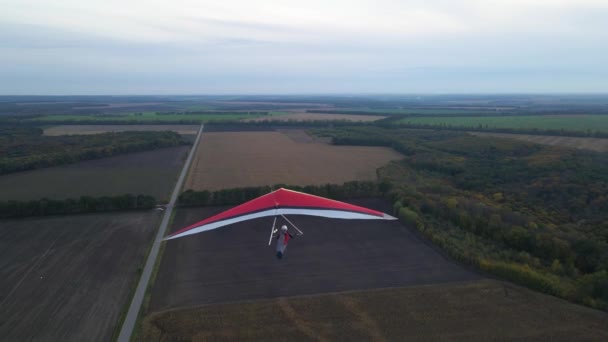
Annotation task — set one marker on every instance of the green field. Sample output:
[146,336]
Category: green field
[147,117]
[579,123]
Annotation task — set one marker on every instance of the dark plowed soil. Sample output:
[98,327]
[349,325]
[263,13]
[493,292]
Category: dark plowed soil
[150,173]
[234,263]
[68,278]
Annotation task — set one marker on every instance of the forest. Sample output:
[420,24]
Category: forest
[26,148]
[533,214]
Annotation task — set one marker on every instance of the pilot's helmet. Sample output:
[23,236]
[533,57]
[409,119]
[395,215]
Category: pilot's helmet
[284,228]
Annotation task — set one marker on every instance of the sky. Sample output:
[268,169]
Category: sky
[58,47]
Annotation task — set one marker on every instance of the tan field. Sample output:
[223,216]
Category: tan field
[97,129]
[593,144]
[301,116]
[240,159]
[486,310]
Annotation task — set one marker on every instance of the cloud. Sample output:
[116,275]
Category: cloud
[283,46]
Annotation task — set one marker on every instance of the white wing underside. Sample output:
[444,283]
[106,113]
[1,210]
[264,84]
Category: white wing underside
[338,214]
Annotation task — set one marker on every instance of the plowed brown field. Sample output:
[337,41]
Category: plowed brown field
[149,172]
[67,278]
[238,159]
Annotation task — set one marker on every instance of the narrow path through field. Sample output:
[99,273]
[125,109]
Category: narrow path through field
[138,298]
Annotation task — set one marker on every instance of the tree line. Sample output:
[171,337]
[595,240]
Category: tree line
[84,204]
[233,196]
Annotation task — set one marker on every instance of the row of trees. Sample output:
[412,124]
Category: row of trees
[84,204]
[348,190]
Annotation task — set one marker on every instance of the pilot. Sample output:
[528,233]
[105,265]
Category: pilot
[283,238]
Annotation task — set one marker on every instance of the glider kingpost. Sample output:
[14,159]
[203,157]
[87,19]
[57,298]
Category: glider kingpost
[282,202]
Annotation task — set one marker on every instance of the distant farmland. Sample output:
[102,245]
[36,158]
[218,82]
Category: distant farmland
[318,117]
[566,122]
[144,116]
[96,129]
[150,173]
[238,159]
[430,111]
[485,310]
[68,278]
[593,144]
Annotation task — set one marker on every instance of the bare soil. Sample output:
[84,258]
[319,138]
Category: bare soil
[239,159]
[96,129]
[318,117]
[150,173]
[235,263]
[68,278]
[485,310]
[593,144]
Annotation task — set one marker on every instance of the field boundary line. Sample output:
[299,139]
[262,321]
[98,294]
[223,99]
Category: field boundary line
[131,318]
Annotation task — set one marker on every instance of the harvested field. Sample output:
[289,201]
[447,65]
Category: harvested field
[485,310]
[238,159]
[593,144]
[68,278]
[318,117]
[236,264]
[97,129]
[150,173]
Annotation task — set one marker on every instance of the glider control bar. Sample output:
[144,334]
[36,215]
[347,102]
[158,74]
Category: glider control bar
[272,231]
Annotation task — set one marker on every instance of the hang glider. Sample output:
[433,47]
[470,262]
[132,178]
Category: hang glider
[282,202]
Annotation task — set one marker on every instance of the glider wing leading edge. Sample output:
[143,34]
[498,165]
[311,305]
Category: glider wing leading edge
[282,202]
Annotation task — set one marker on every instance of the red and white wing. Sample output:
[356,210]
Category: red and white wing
[283,202]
